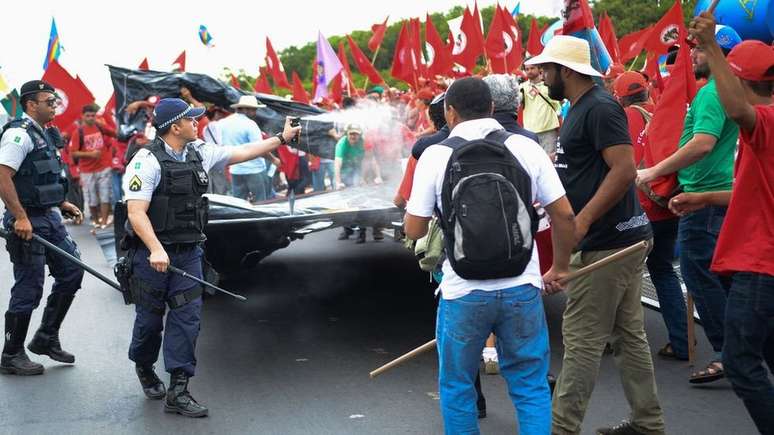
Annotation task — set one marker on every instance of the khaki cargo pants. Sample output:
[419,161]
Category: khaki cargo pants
[604,306]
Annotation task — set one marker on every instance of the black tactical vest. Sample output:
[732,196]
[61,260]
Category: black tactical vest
[178,211]
[39,182]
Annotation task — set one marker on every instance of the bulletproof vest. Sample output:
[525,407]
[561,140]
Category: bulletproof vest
[39,182]
[178,211]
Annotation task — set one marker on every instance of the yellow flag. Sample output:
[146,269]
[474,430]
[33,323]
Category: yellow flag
[4,90]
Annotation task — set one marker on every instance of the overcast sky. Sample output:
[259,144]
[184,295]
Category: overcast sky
[122,33]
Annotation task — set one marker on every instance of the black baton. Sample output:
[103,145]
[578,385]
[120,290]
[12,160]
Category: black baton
[185,274]
[5,234]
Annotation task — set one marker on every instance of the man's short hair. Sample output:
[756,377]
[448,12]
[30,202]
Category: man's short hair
[505,92]
[639,97]
[761,88]
[347,102]
[25,98]
[90,108]
[470,97]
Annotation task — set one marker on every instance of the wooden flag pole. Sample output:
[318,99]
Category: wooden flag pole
[373,62]
[637,247]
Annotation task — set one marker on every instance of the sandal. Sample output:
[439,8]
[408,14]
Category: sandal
[668,352]
[711,373]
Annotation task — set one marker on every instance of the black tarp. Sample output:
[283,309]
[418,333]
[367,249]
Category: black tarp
[133,85]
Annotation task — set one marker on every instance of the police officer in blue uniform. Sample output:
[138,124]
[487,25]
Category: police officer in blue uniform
[31,186]
[163,187]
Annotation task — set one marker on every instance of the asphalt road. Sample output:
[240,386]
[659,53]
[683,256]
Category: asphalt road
[295,358]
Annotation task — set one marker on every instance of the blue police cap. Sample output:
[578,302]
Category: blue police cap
[169,110]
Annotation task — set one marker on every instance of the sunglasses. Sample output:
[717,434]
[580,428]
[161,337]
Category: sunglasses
[52,102]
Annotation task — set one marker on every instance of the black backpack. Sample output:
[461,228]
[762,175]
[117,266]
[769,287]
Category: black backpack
[489,222]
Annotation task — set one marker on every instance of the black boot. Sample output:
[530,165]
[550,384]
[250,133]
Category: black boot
[14,360]
[151,384]
[345,233]
[46,340]
[361,236]
[179,400]
[378,234]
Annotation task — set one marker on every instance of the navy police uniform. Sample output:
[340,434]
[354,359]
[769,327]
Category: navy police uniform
[31,151]
[173,183]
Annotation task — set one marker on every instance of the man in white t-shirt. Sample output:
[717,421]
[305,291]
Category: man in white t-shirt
[512,308]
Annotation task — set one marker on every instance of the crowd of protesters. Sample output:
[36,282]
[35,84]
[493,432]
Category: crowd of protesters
[583,168]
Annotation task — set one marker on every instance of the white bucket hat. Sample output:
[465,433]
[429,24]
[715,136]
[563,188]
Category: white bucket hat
[247,102]
[569,51]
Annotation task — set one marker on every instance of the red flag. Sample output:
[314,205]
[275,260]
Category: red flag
[579,16]
[262,82]
[516,57]
[607,34]
[345,79]
[403,61]
[144,65]
[469,44]
[275,67]
[631,44]
[415,34]
[299,93]
[179,63]
[363,64]
[534,44]
[479,32]
[73,92]
[666,127]
[235,82]
[378,35]
[439,53]
[500,43]
[666,31]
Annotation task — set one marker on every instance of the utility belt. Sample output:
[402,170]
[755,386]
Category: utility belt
[133,243]
[138,292]
[37,211]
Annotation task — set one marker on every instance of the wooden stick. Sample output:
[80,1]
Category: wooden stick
[574,275]
[691,330]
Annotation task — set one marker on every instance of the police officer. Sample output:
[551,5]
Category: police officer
[31,185]
[167,213]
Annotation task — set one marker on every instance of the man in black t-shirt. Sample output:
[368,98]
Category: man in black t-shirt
[595,163]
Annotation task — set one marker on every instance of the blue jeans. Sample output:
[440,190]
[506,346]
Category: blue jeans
[750,341]
[515,315]
[242,185]
[664,277]
[327,168]
[118,193]
[697,236]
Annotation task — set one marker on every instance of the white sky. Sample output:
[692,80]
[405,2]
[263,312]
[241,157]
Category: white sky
[122,33]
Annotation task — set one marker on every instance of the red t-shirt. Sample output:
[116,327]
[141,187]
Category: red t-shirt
[746,241]
[93,139]
[639,141]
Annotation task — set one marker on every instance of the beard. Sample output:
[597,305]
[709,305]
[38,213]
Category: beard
[701,71]
[556,89]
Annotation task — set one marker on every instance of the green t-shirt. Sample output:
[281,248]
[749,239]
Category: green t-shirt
[351,154]
[715,171]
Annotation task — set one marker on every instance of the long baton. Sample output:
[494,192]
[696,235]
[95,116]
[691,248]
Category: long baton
[578,273]
[5,234]
[185,274]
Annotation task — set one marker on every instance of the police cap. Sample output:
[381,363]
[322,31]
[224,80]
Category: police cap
[35,86]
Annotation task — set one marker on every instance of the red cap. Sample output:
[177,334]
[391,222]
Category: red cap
[629,83]
[752,60]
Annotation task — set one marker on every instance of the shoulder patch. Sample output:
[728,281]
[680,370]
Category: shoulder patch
[135,184]
[17,139]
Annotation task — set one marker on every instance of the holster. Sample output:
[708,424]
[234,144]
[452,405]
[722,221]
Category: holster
[123,272]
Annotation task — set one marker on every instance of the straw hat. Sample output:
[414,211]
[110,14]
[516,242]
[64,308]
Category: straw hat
[569,51]
[247,102]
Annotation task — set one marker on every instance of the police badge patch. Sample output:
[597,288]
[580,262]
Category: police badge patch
[135,184]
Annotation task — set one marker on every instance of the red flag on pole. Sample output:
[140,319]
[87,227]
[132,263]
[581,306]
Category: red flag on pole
[262,85]
[144,65]
[73,93]
[179,63]
[403,61]
[275,66]
[469,44]
[580,17]
[516,57]
[666,31]
[666,126]
[534,45]
[607,34]
[439,54]
[363,64]
[631,44]
[415,33]
[378,35]
[500,43]
[299,93]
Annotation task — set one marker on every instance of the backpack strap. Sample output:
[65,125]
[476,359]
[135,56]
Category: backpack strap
[499,136]
[453,142]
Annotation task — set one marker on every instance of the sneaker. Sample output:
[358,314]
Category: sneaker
[623,428]
[491,366]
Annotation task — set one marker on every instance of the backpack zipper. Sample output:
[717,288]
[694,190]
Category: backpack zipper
[505,221]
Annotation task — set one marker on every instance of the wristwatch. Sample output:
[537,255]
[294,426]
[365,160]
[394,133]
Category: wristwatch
[281,138]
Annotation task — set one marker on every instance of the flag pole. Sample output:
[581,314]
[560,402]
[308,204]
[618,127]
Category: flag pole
[635,61]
